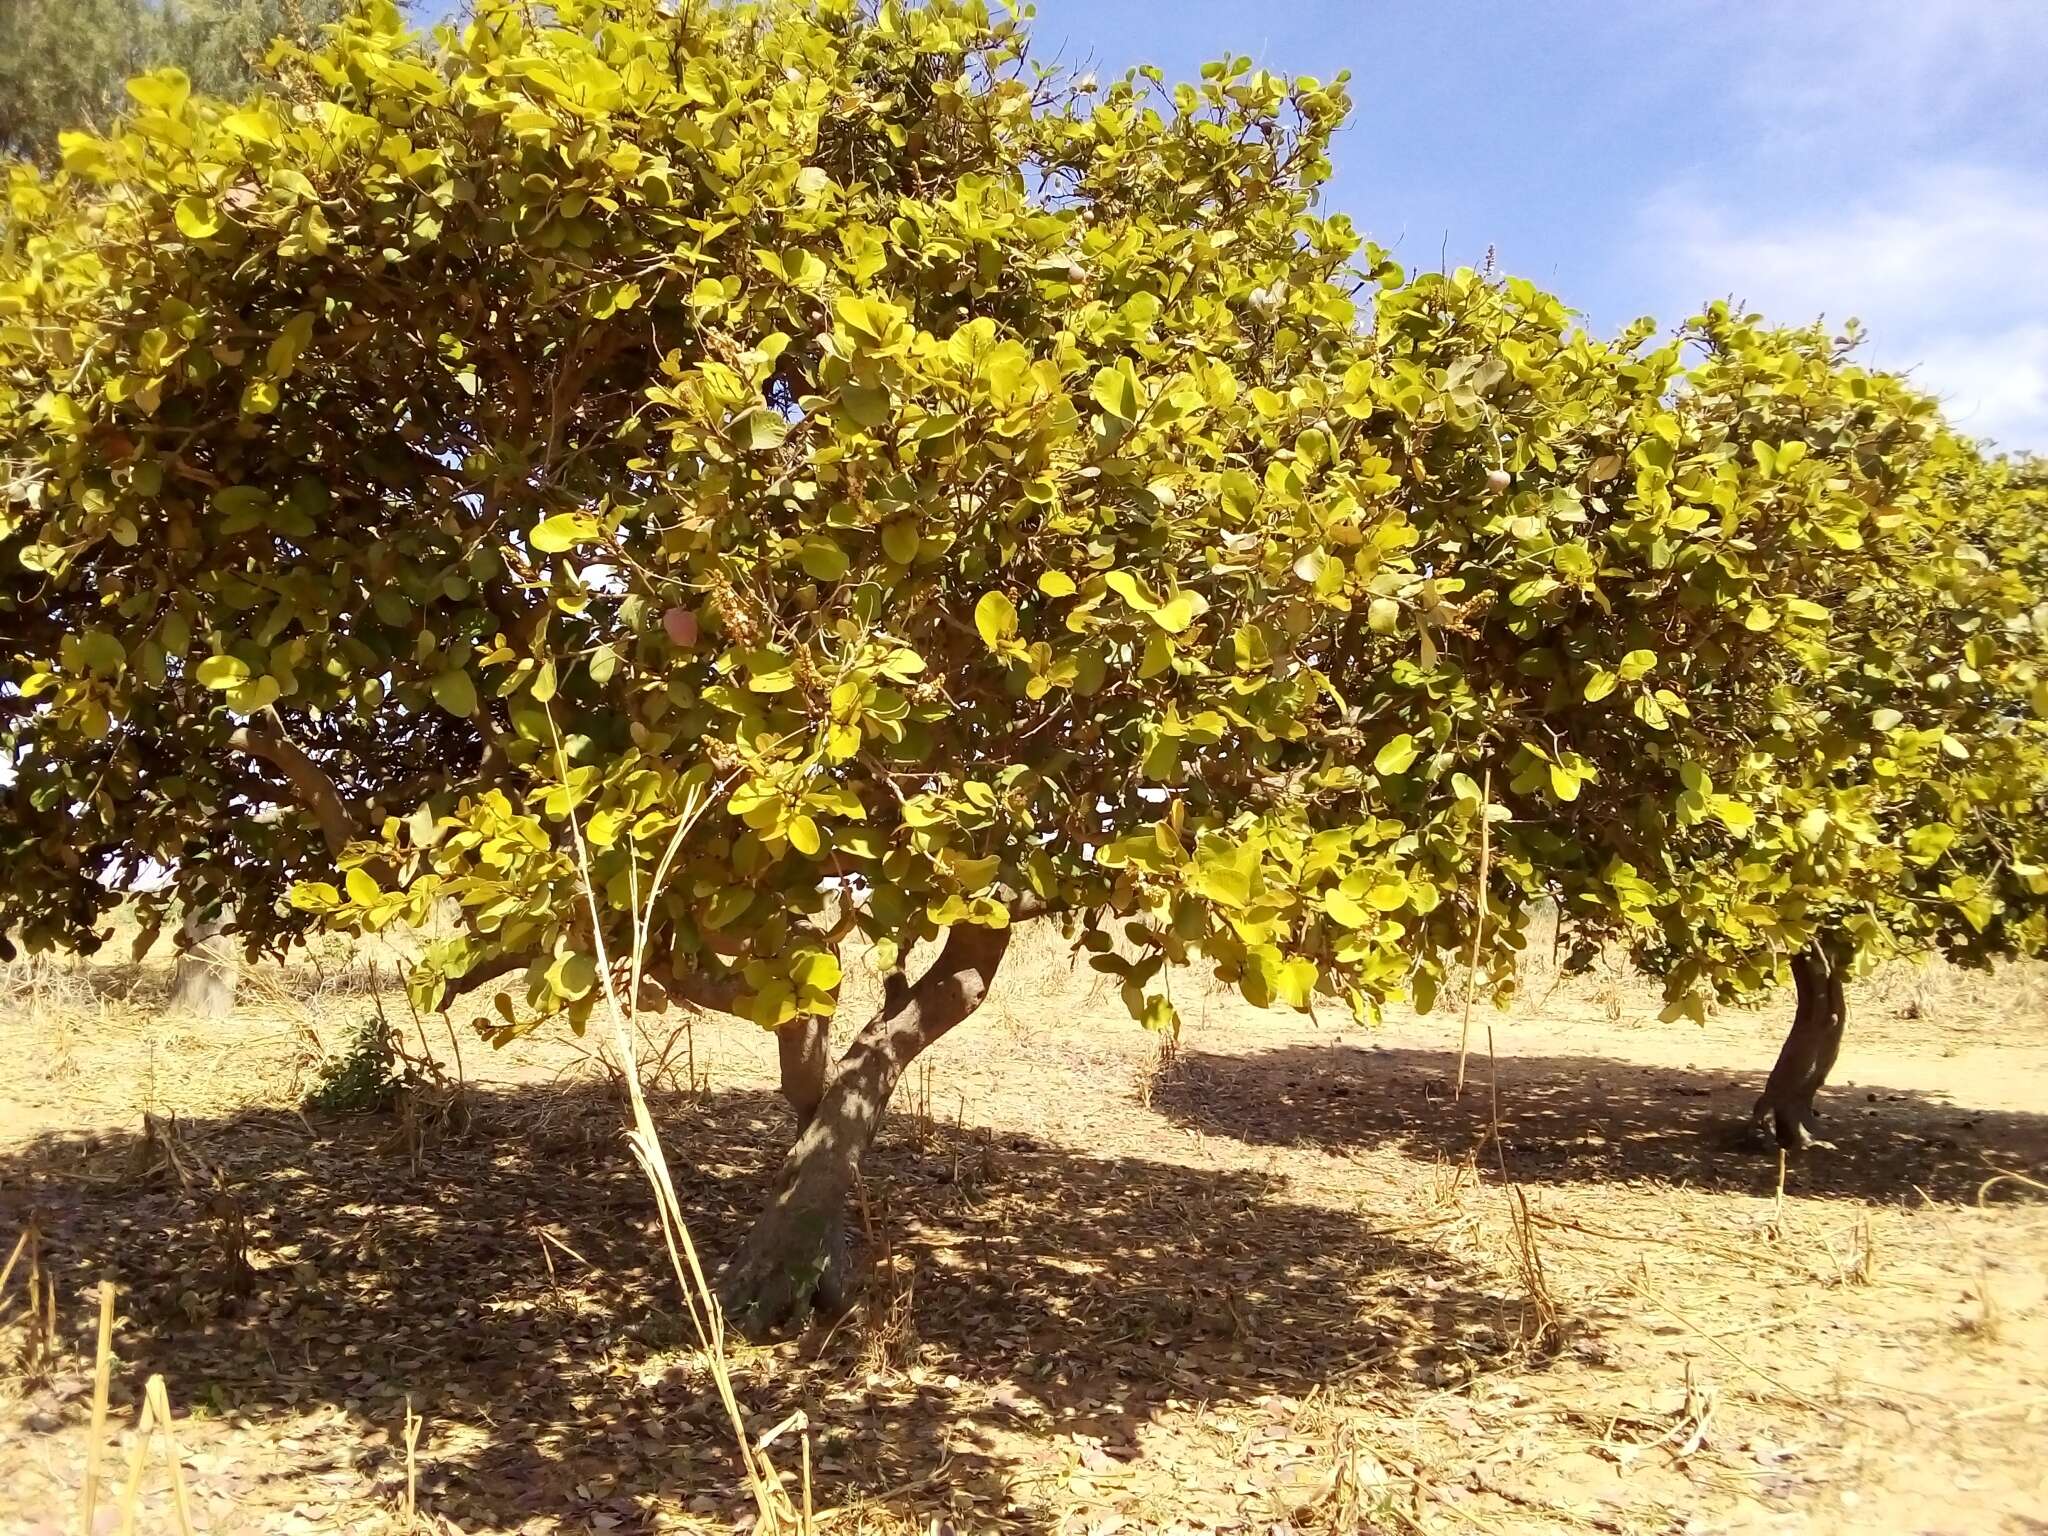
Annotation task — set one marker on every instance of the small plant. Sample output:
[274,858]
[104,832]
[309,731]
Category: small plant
[364,1078]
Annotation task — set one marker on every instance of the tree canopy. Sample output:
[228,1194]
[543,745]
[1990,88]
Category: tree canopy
[998,496]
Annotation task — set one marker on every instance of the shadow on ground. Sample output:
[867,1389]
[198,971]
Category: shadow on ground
[509,1282]
[1576,1119]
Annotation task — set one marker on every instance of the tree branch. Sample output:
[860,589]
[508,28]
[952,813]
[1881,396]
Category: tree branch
[315,791]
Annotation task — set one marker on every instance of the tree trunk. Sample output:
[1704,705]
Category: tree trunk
[203,981]
[795,1261]
[1786,1108]
[805,1046]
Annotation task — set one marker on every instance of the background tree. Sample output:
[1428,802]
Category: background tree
[1764,642]
[63,62]
[805,473]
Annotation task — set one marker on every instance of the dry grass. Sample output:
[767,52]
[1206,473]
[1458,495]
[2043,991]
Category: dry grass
[1262,1278]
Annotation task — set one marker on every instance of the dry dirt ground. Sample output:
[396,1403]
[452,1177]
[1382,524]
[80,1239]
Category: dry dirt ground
[1276,1284]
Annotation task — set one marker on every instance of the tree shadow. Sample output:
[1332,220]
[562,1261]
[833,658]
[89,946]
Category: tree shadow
[1585,1119]
[509,1281]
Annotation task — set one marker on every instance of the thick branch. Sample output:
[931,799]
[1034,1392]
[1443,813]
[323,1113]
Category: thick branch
[804,1047]
[910,1020]
[794,1258]
[315,791]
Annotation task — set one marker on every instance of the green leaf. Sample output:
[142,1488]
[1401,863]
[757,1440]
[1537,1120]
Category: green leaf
[260,397]
[1179,611]
[995,616]
[1296,983]
[362,887]
[455,691]
[759,430]
[1599,685]
[1116,391]
[572,976]
[1056,584]
[1383,615]
[822,559]
[900,541]
[1390,895]
[1347,911]
[260,692]
[162,90]
[102,653]
[1223,872]
[1160,1017]
[290,343]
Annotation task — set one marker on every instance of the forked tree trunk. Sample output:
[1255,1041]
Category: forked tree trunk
[794,1261]
[203,980]
[1786,1108]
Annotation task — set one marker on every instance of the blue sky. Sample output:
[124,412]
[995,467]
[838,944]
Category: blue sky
[1883,159]
[1886,159]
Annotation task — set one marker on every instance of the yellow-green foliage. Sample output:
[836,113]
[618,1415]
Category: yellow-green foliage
[1008,495]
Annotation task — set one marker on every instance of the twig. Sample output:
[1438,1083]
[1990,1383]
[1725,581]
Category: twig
[1478,926]
[2003,1176]
[645,1140]
[1756,1370]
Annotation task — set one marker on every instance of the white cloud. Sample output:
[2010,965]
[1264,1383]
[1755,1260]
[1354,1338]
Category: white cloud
[1944,266]
[1907,68]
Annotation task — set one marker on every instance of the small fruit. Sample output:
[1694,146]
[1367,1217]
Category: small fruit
[1498,480]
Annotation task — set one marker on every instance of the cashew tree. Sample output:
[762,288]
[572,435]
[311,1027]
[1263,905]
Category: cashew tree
[708,486]
[1765,647]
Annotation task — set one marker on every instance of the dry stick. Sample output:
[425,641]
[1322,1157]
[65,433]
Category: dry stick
[131,1492]
[412,1468]
[1478,927]
[102,1380]
[7,1270]
[646,1141]
[161,1399]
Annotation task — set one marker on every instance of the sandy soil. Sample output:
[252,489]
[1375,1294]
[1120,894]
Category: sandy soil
[1285,1281]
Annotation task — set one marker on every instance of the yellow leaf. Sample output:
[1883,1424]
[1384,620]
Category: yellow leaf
[162,90]
[803,836]
[198,218]
[565,530]
[995,616]
[1397,756]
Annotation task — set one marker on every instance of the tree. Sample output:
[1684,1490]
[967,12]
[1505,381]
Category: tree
[1766,644]
[714,484]
[63,62]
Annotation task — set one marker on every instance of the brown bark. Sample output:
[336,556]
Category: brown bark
[315,791]
[795,1261]
[1786,1107]
[805,1047]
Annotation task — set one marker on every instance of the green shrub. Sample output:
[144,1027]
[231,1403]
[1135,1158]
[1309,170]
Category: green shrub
[362,1079]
